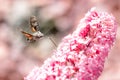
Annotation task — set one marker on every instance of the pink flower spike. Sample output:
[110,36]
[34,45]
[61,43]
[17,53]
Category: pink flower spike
[81,55]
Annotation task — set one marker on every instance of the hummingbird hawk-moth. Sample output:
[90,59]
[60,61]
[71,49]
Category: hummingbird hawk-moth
[35,29]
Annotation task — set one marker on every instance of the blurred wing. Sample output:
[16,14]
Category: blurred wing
[27,35]
[34,24]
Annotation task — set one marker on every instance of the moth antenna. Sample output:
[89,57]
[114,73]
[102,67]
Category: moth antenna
[53,41]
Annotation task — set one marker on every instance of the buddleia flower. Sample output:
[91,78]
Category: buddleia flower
[80,55]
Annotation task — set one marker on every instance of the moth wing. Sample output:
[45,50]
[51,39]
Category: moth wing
[27,35]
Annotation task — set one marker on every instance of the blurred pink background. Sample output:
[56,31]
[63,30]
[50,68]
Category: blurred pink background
[57,18]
